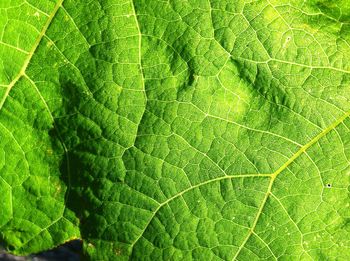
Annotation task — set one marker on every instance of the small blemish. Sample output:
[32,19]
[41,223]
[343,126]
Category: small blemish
[37,14]
[286,41]
[329,185]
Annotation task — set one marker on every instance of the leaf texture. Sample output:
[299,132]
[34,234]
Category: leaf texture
[176,130]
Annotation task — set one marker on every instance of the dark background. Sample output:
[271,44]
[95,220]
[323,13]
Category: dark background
[70,251]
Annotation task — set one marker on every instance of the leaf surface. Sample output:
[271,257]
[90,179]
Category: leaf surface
[176,130]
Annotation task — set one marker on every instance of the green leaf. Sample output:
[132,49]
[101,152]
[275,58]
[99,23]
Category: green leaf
[176,130]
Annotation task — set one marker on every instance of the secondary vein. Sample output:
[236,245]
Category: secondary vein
[282,168]
[31,53]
